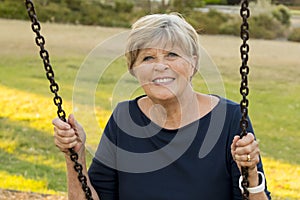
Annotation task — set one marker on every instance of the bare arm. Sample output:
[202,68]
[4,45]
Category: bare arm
[253,182]
[74,186]
[71,135]
[245,151]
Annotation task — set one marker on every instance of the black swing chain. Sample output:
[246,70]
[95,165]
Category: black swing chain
[244,90]
[40,41]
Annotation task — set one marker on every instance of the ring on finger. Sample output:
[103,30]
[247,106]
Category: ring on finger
[248,158]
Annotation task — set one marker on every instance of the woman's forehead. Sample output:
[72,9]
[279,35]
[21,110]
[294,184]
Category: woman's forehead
[155,50]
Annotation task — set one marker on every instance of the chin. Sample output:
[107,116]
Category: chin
[159,93]
[162,95]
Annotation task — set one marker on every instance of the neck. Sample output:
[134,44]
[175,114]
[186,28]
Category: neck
[175,113]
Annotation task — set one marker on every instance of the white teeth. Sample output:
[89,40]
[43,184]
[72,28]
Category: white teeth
[162,80]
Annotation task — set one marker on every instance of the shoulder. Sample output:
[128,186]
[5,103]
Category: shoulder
[227,111]
[127,104]
[234,115]
[127,110]
[231,105]
[124,115]
[215,100]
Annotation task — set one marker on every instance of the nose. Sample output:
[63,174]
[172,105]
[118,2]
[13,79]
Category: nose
[160,65]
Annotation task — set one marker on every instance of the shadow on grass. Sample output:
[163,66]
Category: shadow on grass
[32,154]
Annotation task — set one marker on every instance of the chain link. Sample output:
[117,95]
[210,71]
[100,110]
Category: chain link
[244,90]
[40,41]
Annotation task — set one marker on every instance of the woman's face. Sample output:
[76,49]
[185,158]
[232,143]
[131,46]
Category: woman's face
[164,73]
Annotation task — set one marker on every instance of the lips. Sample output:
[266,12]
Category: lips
[163,80]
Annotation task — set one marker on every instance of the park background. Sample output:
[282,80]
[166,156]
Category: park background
[30,161]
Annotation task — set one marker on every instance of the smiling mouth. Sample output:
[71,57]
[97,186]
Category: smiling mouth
[163,80]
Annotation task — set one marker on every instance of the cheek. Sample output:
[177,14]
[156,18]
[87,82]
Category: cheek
[183,69]
[142,73]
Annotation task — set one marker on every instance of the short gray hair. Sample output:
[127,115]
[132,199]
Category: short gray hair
[160,30]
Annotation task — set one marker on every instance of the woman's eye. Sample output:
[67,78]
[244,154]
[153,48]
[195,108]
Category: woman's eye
[172,54]
[147,58]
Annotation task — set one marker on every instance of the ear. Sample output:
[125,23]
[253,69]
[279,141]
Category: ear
[131,71]
[194,63]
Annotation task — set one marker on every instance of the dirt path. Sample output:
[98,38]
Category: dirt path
[17,195]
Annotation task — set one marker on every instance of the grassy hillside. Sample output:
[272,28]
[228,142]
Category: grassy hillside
[31,162]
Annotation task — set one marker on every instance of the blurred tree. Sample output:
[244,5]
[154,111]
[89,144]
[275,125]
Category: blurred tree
[123,6]
[181,5]
[287,2]
[74,5]
[163,4]
[217,2]
[233,2]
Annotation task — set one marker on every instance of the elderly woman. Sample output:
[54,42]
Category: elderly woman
[151,146]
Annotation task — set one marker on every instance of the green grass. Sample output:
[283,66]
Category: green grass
[295,11]
[31,162]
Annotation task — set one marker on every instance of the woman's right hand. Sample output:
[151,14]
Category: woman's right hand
[69,135]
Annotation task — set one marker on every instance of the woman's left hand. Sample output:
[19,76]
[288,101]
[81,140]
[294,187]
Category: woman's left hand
[245,152]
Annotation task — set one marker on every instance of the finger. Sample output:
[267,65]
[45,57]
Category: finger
[67,140]
[233,146]
[249,138]
[248,160]
[249,148]
[76,126]
[63,139]
[64,133]
[234,141]
[245,157]
[250,164]
[72,121]
[60,124]
[64,147]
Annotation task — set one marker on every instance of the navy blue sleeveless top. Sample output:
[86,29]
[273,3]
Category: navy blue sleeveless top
[138,160]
